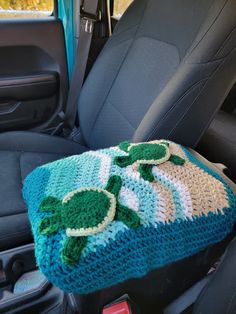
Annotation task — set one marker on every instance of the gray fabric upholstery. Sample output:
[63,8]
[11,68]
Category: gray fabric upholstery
[219,295]
[219,142]
[164,73]
[159,74]
[20,153]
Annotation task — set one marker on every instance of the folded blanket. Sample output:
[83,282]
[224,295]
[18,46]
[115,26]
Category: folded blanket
[106,216]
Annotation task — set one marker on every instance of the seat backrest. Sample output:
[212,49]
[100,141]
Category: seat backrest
[218,144]
[164,73]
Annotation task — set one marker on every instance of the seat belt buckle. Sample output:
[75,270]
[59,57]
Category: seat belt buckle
[90,19]
[88,26]
[121,307]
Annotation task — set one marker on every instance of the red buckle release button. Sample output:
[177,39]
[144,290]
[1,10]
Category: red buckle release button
[118,308]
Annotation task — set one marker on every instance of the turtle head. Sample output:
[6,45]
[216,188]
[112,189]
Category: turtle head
[50,204]
[124,146]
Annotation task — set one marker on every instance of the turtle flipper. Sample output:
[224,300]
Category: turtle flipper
[145,171]
[179,161]
[50,203]
[127,216]
[123,161]
[50,225]
[114,185]
[72,250]
[124,146]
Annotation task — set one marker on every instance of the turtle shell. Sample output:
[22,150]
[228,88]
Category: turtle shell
[149,153]
[87,211]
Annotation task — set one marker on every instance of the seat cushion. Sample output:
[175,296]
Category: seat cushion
[219,142]
[20,153]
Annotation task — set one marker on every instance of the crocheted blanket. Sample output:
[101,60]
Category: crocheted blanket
[106,216]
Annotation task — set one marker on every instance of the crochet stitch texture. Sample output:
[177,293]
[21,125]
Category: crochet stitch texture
[85,212]
[182,211]
[146,155]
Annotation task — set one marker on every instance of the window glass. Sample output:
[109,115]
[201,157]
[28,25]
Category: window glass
[26,8]
[120,7]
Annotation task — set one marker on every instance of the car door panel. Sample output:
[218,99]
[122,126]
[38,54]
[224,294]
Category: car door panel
[26,87]
[33,73]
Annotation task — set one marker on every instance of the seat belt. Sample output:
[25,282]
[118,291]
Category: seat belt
[89,15]
[186,300]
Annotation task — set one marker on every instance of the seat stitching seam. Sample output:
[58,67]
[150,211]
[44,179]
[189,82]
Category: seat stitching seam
[121,65]
[210,26]
[121,114]
[173,106]
[193,102]
[107,95]
[160,40]
[188,109]
[120,42]
[207,78]
[225,42]
[125,13]
[124,31]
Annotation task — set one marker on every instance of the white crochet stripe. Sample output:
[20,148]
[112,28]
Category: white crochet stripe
[129,198]
[181,188]
[146,218]
[118,150]
[84,232]
[106,163]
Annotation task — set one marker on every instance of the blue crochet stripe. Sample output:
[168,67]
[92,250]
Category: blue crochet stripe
[153,253]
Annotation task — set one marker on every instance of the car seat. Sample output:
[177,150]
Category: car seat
[163,74]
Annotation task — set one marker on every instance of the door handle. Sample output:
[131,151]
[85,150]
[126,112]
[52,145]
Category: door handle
[8,107]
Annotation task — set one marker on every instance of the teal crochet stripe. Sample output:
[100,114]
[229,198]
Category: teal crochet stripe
[172,225]
[141,259]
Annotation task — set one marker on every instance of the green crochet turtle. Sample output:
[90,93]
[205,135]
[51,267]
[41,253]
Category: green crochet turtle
[147,155]
[85,212]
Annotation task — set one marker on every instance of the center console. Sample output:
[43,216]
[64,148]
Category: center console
[23,289]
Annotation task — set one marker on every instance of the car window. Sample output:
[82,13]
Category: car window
[120,7]
[26,8]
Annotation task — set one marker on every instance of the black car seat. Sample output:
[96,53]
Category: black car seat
[219,295]
[219,142]
[163,74]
